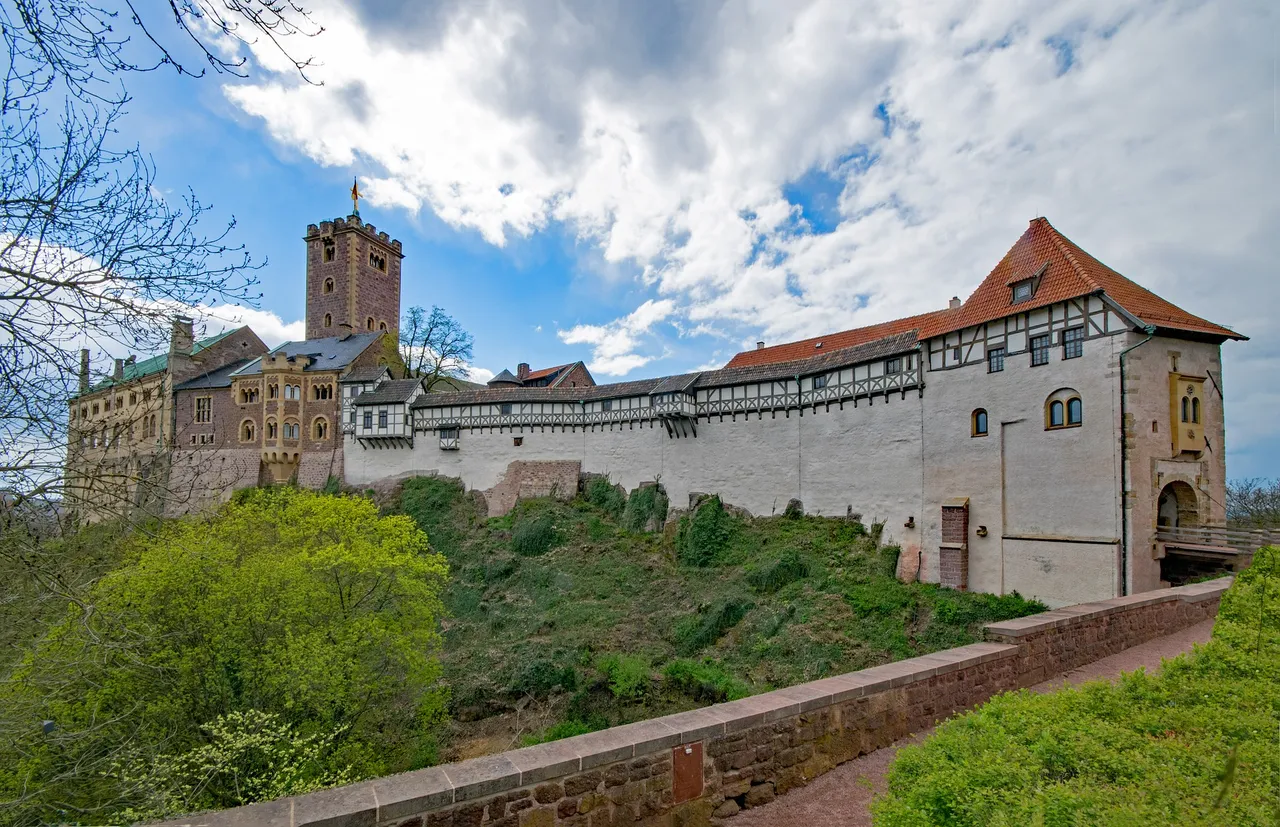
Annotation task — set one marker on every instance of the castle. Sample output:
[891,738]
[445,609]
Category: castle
[1050,434]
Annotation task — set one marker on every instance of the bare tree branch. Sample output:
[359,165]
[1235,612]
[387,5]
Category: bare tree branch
[434,346]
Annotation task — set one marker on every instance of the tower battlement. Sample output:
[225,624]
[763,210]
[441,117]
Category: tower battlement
[353,278]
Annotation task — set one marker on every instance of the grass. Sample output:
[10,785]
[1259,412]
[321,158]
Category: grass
[572,605]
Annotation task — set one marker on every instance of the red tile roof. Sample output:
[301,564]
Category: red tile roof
[1063,270]
[834,341]
[538,374]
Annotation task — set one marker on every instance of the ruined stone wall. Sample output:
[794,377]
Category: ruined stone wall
[524,480]
[693,767]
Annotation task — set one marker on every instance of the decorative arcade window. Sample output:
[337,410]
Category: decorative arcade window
[978,425]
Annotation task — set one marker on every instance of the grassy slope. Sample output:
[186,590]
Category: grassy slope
[584,632]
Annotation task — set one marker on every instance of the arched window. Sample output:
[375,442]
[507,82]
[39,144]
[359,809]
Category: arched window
[979,423]
[382,326]
[328,320]
[1195,410]
[246,431]
[273,430]
[290,430]
[328,285]
[368,323]
[1063,409]
[320,428]
[1186,409]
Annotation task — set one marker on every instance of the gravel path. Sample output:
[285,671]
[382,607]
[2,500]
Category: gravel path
[842,797]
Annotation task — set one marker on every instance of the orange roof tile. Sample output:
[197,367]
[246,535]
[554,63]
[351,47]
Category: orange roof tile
[538,374]
[834,341]
[1065,271]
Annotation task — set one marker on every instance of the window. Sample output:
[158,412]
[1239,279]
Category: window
[1072,342]
[606,405]
[995,360]
[320,429]
[146,396]
[106,405]
[382,326]
[84,411]
[1040,350]
[273,430]
[957,354]
[819,382]
[1023,290]
[368,323]
[979,423]
[273,391]
[330,252]
[328,320]
[204,409]
[505,409]
[448,439]
[328,288]
[320,392]
[1075,411]
[133,397]
[517,441]
[377,261]
[382,420]
[892,366]
[292,391]
[1195,410]
[1063,409]
[95,408]
[368,420]
[353,416]
[246,431]
[119,402]
[1186,409]
[291,430]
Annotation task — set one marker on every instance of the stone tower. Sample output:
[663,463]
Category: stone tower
[353,279]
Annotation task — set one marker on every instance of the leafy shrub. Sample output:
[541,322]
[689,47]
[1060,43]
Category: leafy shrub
[787,568]
[605,496]
[647,503]
[534,535]
[564,729]
[1194,744]
[431,501]
[704,680]
[709,624]
[628,675]
[332,486]
[704,535]
[542,676]
[880,596]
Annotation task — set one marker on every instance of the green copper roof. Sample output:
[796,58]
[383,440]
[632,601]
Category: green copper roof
[156,364]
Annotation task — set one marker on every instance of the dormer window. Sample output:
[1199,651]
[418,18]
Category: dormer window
[1023,290]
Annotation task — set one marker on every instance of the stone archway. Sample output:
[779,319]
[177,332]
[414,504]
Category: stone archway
[1178,507]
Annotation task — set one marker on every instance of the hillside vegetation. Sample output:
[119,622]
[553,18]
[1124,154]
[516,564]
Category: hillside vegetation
[569,616]
[1197,743]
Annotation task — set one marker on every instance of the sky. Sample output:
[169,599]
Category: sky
[652,187]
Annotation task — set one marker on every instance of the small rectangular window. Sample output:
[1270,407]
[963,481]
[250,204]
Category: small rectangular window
[1022,291]
[368,420]
[995,360]
[606,405]
[819,382]
[1040,350]
[1072,343]
[892,366]
[505,409]
[204,409]
[382,420]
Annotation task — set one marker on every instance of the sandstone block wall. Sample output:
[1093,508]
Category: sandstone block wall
[523,480]
[702,766]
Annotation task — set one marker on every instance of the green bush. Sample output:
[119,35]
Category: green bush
[1198,743]
[534,535]
[704,680]
[542,676]
[564,729]
[787,568]
[332,486]
[709,624]
[646,503]
[704,535]
[605,496]
[431,502]
[628,675]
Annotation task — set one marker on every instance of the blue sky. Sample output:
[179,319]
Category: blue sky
[651,192]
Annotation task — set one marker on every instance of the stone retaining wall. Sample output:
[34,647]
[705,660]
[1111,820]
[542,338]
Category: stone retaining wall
[698,767]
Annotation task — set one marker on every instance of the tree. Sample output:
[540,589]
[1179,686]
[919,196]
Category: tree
[1253,503]
[290,630]
[434,346]
[90,254]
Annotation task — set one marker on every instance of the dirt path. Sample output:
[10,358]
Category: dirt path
[842,797]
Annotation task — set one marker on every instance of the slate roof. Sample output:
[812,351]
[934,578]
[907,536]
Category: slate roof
[330,353]
[1065,272]
[220,378]
[792,351]
[391,391]
[505,378]
[371,373]
[870,351]
[156,364]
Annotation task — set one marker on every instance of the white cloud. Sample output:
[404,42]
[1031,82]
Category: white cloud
[481,375]
[667,141]
[270,328]
[614,346]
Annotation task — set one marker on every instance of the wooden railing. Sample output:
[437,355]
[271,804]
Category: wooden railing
[1244,541]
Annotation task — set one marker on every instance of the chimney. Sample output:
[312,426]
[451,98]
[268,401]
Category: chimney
[954,304]
[759,345]
[182,341]
[131,361]
[118,373]
[84,370]
[522,371]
